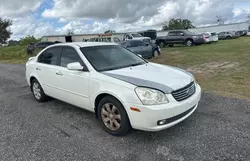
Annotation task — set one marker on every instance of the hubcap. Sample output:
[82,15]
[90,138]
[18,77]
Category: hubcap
[111,116]
[162,44]
[36,90]
[189,43]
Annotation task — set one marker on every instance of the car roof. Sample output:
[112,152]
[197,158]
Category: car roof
[85,44]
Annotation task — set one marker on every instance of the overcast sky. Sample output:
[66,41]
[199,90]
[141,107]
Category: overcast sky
[45,17]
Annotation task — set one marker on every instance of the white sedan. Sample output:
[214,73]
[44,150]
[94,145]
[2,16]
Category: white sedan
[122,89]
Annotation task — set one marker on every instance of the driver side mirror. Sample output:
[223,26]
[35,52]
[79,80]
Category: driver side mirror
[75,66]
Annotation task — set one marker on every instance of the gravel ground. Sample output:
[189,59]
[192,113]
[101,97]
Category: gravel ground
[218,130]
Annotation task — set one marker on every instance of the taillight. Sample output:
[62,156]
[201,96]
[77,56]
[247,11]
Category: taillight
[206,37]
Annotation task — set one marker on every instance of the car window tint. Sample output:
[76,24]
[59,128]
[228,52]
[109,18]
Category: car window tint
[116,39]
[124,44]
[172,34]
[136,43]
[179,33]
[69,55]
[50,56]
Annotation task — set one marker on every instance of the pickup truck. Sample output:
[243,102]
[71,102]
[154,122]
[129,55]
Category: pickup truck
[180,37]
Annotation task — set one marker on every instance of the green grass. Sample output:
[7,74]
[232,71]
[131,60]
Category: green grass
[222,68]
[13,54]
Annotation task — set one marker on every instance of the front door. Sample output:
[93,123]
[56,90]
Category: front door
[73,85]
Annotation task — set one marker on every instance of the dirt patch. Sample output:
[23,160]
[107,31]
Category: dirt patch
[212,67]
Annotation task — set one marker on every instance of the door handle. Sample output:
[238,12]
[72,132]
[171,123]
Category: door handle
[38,68]
[59,73]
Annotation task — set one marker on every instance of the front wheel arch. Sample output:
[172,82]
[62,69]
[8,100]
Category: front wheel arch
[100,96]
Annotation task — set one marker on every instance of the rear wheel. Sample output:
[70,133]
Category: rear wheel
[228,37]
[113,116]
[38,92]
[189,43]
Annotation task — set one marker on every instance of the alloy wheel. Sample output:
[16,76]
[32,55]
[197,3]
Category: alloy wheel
[111,116]
[189,43]
[36,90]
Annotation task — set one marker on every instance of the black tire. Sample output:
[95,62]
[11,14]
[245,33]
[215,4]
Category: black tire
[189,43]
[228,37]
[43,97]
[162,44]
[125,126]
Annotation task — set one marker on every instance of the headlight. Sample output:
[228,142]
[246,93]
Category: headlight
[151,96]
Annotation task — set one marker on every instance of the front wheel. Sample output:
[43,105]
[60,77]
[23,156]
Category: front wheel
[162,44]
[113,116]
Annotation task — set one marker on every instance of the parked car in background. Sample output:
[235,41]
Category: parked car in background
[214,36]
[242,33]
[135,36]
[180,37]
[139,47]
[227,35]
[31,48]
[152,34]
[104,39]
[34,48]
[122,89]
[207,37]
[210,37]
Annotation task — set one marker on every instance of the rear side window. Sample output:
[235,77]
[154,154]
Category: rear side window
[179,33]
[69,55]
[172,34]
[50,56]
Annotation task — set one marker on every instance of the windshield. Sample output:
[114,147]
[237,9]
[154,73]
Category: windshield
[111,57]
[136,35]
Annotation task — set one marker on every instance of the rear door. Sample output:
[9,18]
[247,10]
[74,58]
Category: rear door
[171,38]
[46,69]
[179,38]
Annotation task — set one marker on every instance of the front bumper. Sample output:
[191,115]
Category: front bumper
[175,112]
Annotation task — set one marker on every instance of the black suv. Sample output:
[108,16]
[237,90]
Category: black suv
[180,37]
[39,46]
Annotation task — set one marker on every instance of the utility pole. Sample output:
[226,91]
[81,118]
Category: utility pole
[220,20]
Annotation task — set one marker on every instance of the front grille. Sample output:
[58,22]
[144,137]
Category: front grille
[185,92]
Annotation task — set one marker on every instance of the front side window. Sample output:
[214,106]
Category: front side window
[50,56]
[69,55]
[116,39]
[111,57]
[136,35]
[136,43]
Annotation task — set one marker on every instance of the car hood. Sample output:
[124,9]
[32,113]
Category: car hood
[161,77]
